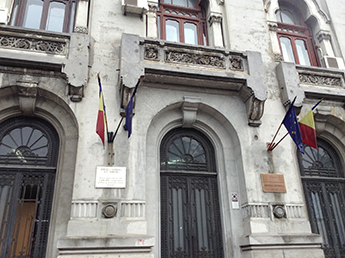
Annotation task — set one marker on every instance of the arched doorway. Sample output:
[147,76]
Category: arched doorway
[324,187]
[190,213]
[29,150]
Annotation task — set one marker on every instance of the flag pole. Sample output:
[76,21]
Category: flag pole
[271,146]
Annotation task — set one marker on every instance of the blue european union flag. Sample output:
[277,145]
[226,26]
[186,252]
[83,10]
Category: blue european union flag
[291,123]
[129,111]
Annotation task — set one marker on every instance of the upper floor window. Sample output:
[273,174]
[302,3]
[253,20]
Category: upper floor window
[295,37]
[49,15]
[182,21]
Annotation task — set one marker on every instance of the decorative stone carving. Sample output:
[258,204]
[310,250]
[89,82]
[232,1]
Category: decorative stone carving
[189,108]
[27,100]
[323,35]
[153,7]
[215,18]
[279,211]
[272,26]
[195,59]
[76,93]
[255,110]
[320,80]
[278,57]
[151,52]
[109,210]
[81,30]
[133,209]
[46,46]
[236,63]
[84,209]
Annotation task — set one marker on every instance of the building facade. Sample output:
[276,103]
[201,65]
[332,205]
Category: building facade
[195,178]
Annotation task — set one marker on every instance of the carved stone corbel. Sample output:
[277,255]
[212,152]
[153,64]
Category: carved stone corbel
[254,106]
[27,100]
[27,94]
[189,108]
[76,93]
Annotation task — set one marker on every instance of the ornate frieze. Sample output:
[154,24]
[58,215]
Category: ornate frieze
[38,45]
[84,209]
[151,52]
[319,80]
[267,210]
[81,29]
[195,59]
[236,63]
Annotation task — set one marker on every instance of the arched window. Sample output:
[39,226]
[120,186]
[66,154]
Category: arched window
[295,37]
[190,213]
[182,21]
[28,156]
[324,186]
[48,15]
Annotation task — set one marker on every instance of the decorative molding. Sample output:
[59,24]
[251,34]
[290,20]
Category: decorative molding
[255,110]
[267,210]
[322,13]
[151,52]
[255,211]
[109,210]
[320,80]
[174,56]
[81,30]
[295,211]
[44,46]
[84,209]
[133,209]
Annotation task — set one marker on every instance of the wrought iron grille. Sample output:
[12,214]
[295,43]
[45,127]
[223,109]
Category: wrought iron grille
[190,212]
[188,152]
[28,156]
[324,186]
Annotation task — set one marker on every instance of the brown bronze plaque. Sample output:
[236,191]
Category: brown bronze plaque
[273,183]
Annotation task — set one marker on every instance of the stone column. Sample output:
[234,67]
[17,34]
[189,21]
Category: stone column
[215,29]
[152,31]
[81,17]
[324,38]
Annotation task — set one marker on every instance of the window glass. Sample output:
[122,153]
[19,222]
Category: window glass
[204,34]
[302,52]
[287,17]
[71,24]
[191,3]
[180,2]
[56,16]
[172,30]
[286,47]
[14,12]
[33,13]
[190,33]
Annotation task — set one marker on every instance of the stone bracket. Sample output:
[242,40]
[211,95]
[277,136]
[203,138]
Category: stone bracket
[189,109]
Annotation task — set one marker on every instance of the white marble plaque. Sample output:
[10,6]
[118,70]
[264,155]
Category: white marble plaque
[111,177]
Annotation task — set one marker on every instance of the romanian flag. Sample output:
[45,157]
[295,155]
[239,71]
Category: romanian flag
[101,113]
[307,127]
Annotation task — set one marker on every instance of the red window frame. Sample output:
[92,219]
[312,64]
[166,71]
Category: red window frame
[297,32]
[165,13]
[21,8]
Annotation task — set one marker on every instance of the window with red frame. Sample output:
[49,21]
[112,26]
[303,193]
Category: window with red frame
[295,38]
[182,21]
[44,14]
